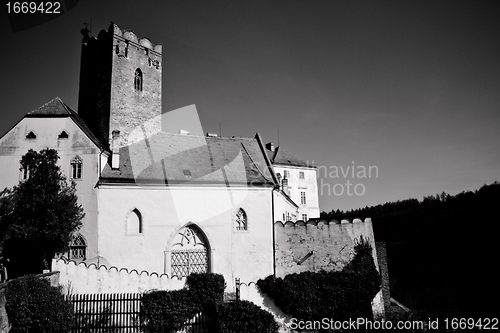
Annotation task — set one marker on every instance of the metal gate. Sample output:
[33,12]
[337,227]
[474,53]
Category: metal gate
[185,262]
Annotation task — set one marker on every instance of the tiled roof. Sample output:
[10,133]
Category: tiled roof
[175,158]
[283,157]
[57,108]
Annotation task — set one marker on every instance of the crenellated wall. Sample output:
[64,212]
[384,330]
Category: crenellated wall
[82,279]
[318,245]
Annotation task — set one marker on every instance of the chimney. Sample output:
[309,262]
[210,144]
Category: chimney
[115,147]
[270,146]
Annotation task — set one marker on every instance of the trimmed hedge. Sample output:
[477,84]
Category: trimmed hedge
[33,305]
[167,311]
[337,295]
[244,316]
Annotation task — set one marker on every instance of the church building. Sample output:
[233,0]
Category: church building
[155,200]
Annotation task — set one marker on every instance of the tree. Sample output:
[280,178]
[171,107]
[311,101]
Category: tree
[40,214]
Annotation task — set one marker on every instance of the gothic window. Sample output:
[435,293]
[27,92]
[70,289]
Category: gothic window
[302,198]
[189,253]
[63,135]
[76,167]
[31,135]
[77,248]
[138,80]
[134,222]
[241,220]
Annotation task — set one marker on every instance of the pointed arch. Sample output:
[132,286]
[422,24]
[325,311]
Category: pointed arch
[241,220]
[77,248]
[189,252]
[134,222]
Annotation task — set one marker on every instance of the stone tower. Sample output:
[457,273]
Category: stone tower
[120,83]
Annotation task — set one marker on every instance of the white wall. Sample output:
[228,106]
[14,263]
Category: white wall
[165,210]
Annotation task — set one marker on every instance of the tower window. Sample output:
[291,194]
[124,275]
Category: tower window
[138,80]
[76,168]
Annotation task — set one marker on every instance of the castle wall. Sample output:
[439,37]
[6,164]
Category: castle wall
[331,244]
[82,279]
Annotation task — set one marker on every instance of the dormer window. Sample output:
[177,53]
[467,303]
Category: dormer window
[31,135]
[138,80]
[63,135]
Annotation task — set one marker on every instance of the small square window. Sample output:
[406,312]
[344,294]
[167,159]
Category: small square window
[301,174]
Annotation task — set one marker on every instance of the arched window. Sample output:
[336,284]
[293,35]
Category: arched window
[31,135]
[134,222]
[78,248]
[189,252]
[138,80]
[76,167]
[241,220]
[63,135]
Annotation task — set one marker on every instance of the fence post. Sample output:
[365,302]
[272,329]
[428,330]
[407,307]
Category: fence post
[237,289]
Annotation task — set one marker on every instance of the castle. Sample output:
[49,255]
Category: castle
[169,201]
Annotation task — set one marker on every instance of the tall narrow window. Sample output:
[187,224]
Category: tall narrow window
[76,167]
[134,222]
[78,248]
[25,172]
[302,198]
[138,80]
[241,220]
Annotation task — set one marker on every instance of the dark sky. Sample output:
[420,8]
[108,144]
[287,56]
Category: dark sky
[410,88]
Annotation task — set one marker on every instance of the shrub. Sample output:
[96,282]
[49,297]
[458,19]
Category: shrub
[167,310]
[33,305]
[207,288]
[244,316]
[337,295]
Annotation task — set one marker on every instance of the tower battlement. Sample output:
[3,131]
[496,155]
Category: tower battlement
[120,82]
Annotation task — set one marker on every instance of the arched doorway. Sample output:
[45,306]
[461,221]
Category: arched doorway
[189,252]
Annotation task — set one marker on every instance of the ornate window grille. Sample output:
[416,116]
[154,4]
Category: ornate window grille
[241,220]
[76,167]
[138,80]
[78,248]
[189,253]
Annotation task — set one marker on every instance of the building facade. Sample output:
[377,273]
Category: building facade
[158,201]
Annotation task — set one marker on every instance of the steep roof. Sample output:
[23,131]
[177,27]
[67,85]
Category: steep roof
[57,108]
[283,157]
[175,158]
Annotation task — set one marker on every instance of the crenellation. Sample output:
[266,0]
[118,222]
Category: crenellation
[332,244]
